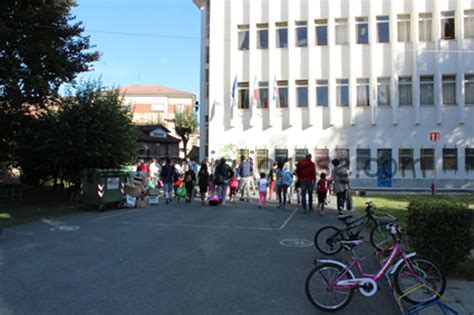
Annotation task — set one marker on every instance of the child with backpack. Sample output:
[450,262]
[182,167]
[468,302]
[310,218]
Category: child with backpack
[322,188]
[262,190]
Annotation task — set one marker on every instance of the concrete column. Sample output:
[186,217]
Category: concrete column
[373,65]
[460,96]
[393,25]
[416,75]
[203,101]
[233,71]
[253,71]
[311,61]
[352,62]
[332,77]
[292,109]
[272,103]
[438,84]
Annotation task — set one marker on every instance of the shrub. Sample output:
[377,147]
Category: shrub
[440,229]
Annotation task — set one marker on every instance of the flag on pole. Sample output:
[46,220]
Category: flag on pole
[234,88]
[233,96]
[256,91]
[275,89]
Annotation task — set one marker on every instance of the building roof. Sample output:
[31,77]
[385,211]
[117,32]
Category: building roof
[144,136]
[154,90]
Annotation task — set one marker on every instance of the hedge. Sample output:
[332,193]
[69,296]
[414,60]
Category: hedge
[440,229]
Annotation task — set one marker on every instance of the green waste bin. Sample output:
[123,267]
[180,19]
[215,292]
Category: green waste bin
[102,188]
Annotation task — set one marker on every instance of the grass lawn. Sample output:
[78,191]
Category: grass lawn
[396,205]
[35,205]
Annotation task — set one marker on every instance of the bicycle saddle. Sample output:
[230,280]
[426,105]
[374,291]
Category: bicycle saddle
[352,243]
[344,217]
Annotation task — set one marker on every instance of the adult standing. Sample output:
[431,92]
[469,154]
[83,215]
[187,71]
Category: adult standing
[282,183]
[246,177]
[167,174]
[272,180]
[222,175]
[153,171]
[340,177]
[306,172]
[203,179]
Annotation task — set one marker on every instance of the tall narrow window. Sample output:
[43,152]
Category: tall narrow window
[449,89]
[301,33]
[281,155]
[322,93]
[426,90]
[262,36]
[427,159]
[383,29]
[425,27]
[404,91]
[244,99]
[262,94]
[342,88]
[404,28]
[262,161]
[469,89]
[363,159]
[302,93]
[300,154]
[283,94]
[383,91]
[362,29]
[405,160]
[469,159]
[321,32]
[450,159]
[343,156]
[341,31]
[469,24]
[243,37]
[322,159]
[363,94]
[448,27]
[282,35]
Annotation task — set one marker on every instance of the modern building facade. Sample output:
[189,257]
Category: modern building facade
[371,82]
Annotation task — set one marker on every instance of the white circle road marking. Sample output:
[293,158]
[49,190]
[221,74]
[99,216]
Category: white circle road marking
[296,243]
[64,228]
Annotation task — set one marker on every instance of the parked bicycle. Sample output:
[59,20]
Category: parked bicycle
[328,239]
[331,284]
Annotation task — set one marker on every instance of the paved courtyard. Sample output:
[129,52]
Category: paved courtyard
[175,259]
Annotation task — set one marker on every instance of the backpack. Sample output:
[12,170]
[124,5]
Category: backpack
[287,178]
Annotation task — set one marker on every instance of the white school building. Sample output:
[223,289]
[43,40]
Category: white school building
[371,82]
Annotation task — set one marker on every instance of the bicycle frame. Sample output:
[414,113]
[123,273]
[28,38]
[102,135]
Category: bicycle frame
[390,266]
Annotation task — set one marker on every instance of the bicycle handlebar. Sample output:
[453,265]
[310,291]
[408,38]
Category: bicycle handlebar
[393,228]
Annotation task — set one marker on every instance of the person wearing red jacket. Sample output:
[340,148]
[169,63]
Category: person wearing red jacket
[306,172]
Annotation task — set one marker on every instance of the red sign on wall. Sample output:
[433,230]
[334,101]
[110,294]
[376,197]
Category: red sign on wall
[435,136]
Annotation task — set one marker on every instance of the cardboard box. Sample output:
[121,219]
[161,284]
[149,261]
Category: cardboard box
[131,201]
[154,200]
[132,190]
[143,202]
[153,192]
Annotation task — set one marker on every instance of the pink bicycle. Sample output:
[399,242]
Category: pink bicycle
[331,284]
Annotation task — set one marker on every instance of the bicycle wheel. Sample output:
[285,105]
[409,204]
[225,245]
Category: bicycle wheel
[318,293]
[425,274]
[328,240]
[381,238]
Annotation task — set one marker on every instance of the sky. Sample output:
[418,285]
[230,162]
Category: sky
[143,41]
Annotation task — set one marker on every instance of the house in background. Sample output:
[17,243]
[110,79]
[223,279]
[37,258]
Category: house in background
[157,105]
[155,141]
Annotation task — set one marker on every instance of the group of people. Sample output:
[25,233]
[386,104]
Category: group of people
[224,182]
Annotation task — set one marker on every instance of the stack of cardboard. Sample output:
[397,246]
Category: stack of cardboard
[136,193]
[153,193]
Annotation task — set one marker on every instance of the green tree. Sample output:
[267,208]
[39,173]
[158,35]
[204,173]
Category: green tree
[185,126]
[91,129]
[41,47]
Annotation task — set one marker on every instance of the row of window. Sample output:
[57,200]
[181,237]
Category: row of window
[425,30]
[260,93]
[364,160]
